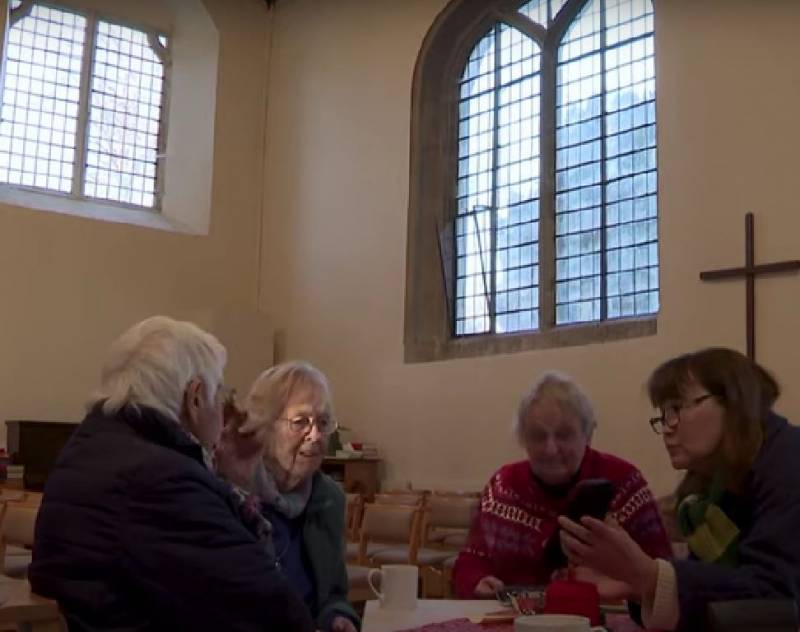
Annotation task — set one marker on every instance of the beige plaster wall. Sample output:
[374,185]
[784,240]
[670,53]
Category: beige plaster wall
[336,209]
[68,285]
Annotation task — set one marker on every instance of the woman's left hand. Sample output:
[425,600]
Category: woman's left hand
[607,548]
[342,624]
[238,454]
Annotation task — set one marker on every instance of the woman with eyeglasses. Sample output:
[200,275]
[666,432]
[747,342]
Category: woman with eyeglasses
[738,503]
[304,506]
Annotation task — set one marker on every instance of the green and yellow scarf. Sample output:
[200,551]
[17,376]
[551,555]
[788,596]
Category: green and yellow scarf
[711,535]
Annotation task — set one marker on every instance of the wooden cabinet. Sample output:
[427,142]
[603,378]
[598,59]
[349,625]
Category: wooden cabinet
[36,445]
[358,476]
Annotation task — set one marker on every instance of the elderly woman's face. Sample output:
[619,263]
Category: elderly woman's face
[297,452]
[554,441]
[694,428]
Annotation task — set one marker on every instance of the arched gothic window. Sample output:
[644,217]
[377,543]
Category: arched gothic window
[533,177]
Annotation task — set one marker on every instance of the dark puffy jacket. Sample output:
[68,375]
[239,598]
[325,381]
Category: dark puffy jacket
[135,533]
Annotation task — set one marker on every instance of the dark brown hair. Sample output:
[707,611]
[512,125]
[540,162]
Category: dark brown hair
[744,389]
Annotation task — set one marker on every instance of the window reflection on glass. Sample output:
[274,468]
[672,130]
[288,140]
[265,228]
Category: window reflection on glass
[606,184]
[41,92]
[42,96]
[542,11]
[606,232]
[124,116]
[497,232]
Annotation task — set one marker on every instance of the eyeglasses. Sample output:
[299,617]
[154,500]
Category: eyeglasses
[671,415]
[301,425]
[226,394]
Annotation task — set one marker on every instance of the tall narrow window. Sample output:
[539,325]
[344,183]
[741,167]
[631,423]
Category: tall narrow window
[606,226]
[593,61]
[498,185]
[82,105]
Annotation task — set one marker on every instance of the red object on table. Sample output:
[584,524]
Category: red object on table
[573,597]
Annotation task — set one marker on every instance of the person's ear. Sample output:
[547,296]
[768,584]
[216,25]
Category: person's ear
[193,398]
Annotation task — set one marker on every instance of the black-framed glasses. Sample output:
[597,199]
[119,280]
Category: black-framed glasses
[671,415]
[301,424]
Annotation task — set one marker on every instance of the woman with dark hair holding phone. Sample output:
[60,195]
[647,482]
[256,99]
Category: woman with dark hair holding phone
[739,502]
[514,538]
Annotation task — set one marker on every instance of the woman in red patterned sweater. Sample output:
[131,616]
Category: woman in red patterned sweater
[522,501]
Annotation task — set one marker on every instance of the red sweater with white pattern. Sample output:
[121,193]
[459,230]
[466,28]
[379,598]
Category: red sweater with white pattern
[517,518]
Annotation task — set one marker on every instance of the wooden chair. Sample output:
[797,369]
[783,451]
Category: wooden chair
[400,498]
[410,552]
[448,520]
[389,527]
[24,610]
[353,511]
[17,522]
[357,586]
[353,516]
[447,577]
[455,492]
[21,496]
[445,527]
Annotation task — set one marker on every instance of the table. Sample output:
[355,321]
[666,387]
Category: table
[438,610]
[19,604]
[427,611]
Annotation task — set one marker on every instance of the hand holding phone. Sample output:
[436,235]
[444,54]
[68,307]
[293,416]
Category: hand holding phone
[591,497]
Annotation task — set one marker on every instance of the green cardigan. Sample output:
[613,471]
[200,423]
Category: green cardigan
[324,542]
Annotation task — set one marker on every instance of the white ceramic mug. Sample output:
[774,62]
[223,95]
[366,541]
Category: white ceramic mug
[553,623]
[398,586]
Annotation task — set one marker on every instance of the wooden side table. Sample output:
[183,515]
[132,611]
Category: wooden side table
[357,476]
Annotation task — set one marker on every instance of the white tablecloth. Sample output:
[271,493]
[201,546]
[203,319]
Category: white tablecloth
[427,611]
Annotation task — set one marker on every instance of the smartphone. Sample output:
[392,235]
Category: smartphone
[591,497]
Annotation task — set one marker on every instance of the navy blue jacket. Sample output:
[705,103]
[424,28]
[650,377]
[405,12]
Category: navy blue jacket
[767,513]
[135,533]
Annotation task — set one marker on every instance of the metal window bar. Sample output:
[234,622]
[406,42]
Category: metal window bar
[79,168]
[603,176]
[492,289]
[488,283]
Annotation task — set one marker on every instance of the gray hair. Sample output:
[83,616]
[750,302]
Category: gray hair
[273,388]
[562,389]
[152,363]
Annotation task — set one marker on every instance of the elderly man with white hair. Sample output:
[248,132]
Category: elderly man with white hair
[512,537]
[136,529]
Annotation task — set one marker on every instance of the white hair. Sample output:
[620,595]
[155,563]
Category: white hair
[562,389]
[272,389]
[152,363]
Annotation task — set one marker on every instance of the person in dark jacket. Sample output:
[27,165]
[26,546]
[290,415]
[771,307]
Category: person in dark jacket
[135,530]
[739,502]
[306,508]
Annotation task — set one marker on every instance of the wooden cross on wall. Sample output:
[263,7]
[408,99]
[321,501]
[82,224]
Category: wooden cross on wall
[750,271]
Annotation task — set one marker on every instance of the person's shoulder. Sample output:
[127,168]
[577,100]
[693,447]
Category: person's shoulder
[625,476]
[327,488]
[102,448]
[510,476]
[610,466]
[778,454]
